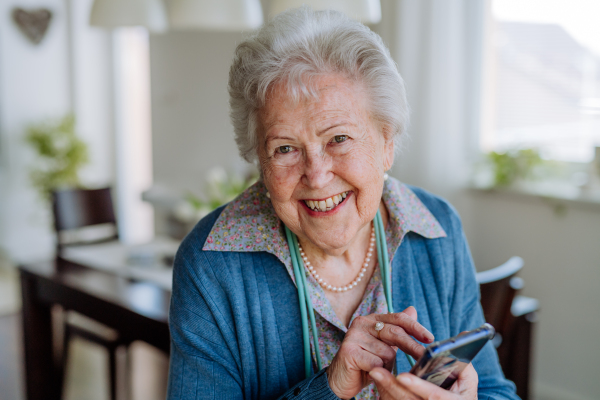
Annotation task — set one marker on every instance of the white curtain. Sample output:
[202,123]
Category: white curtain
[437,45]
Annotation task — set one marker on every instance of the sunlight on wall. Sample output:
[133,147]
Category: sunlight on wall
[133,134]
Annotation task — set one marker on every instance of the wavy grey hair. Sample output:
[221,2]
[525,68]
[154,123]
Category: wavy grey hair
[300,44]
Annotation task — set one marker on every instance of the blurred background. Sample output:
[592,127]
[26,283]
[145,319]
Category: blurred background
[114,115]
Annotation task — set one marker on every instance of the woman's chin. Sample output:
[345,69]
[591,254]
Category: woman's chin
[331,238]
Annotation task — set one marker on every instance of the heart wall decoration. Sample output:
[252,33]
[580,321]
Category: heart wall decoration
[33,23]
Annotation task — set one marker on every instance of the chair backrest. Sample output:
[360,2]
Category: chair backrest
[498,288]
[80,208]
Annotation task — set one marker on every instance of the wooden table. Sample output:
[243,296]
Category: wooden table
[137,310]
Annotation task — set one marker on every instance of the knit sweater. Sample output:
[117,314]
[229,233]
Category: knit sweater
[235,319]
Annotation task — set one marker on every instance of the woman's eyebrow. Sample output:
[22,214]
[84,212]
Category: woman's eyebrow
[343,123]
[270,138]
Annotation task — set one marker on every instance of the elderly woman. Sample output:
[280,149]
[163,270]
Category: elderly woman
[317,101]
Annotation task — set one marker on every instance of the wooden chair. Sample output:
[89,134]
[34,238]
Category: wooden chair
[512,316]
[517,346]
[76,210]
[498,288]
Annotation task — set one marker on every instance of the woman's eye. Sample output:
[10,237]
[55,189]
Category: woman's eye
[340,138]
[284,149]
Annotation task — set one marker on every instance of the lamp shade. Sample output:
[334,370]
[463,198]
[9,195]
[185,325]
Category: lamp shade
[222,15]
[118,13]
[365,11]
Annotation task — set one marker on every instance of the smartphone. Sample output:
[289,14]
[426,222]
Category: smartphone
[443,361]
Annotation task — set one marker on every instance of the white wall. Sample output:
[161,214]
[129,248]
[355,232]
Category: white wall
[190,107]
[133,134]
[45,82]
[92,92]
[562,270]
[35,85]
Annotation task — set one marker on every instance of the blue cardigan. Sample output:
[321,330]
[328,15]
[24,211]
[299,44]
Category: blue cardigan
[235,319]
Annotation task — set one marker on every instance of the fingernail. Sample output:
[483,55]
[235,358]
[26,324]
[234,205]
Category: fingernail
[404,379]
[428,335]
[376,375]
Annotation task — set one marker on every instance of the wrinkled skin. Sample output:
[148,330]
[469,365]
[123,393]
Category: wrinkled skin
[362,350]
[316,166]
[317,148]
[408,387]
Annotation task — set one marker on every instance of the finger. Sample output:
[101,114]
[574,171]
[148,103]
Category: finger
[364,360]
[392,334]
[388,387]
[395,336]
[424,389]
[411,312]
[410,326]
[376,347]
[468,374]
[467,381]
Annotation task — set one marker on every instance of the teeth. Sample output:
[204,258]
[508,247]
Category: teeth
[327,204]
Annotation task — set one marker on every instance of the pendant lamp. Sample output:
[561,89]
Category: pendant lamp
[221,15]
[365,11]
[118,13]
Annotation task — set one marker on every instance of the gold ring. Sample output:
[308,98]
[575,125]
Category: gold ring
[378,328]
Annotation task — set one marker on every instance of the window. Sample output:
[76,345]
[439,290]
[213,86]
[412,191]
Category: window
[542,78]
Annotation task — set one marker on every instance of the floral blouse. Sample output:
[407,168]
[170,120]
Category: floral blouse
[249,223]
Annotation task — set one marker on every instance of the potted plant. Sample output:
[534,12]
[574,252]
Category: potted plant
[60,155]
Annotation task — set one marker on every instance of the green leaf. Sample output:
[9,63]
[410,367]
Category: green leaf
[514,164]
[60,155]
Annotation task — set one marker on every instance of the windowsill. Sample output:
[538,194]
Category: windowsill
[556,194]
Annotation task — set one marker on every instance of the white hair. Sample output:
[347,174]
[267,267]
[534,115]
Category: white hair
[300,44]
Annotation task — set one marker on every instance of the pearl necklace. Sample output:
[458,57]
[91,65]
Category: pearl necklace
[358,278]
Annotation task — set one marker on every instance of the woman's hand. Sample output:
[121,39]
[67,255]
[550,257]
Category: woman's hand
[407,386]
[361,351]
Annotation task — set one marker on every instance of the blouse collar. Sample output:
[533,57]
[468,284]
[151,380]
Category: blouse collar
[249,222]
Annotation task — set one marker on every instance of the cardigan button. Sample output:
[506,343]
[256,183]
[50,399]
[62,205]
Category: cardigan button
[297,391]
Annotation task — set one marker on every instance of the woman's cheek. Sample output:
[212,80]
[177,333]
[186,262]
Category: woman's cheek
[360,169]
[363,170]
[282,180]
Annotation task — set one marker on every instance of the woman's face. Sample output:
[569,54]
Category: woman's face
[323,161]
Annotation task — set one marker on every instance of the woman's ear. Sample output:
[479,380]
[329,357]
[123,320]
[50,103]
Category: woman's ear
[388,149]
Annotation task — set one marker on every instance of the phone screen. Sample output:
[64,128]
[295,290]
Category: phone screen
[444,361]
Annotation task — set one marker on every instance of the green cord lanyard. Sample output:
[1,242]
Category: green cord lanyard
[304,294]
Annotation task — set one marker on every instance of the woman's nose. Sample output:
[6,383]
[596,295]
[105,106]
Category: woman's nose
[317,170]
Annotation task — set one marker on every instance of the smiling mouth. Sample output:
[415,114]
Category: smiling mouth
[326,204]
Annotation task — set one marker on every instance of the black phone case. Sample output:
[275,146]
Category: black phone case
[444,361]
